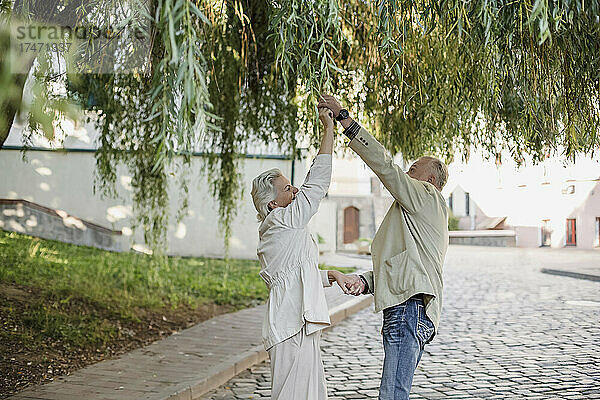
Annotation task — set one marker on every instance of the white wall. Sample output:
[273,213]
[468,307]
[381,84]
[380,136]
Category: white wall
[459,202]
[324,224]
[585,214]
[459,210]
[65,181]
[528,236]
[350,177]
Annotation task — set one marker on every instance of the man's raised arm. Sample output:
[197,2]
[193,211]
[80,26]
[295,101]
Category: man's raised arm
[412,194]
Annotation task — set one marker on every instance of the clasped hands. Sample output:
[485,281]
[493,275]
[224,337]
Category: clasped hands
[326,117]
[329,107]
[350,284]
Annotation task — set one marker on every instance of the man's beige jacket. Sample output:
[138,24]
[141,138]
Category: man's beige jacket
[409,247]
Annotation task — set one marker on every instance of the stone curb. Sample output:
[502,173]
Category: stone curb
[571,274]
[194,389]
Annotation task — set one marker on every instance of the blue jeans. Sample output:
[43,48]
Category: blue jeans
[406,329]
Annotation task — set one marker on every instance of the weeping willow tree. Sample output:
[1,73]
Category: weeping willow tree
[424,76]
[213,90]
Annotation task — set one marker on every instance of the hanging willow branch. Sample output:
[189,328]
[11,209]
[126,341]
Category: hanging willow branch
[496,74]
[425,76]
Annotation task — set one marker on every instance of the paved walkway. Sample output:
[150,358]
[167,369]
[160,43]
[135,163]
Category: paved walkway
[508,331]
[187,364]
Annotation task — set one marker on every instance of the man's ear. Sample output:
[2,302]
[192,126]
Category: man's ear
[272,205]
[433,182]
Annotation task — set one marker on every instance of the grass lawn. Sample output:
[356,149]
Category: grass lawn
[65,306]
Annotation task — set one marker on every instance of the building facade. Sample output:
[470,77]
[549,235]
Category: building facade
[550,204]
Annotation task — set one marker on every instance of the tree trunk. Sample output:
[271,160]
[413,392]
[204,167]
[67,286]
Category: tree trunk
[11,101]
[10,105]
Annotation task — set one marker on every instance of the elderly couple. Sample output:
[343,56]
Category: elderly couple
[406,281]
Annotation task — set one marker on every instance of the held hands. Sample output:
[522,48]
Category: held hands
[350,284]
[330,102]
[326,117]
[356,286]
[327,138]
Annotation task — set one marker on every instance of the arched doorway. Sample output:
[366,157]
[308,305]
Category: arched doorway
[351,224]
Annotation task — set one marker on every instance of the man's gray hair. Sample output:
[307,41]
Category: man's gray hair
[439,171]
[263,191]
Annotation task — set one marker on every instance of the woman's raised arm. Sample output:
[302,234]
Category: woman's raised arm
[316,184]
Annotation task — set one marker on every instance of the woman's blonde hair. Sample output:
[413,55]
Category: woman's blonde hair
[263,191]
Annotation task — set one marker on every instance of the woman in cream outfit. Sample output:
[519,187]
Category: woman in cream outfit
[288,254]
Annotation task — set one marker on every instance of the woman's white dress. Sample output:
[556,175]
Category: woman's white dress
[296,309]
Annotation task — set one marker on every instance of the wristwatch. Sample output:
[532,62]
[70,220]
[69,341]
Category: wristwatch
[342,115]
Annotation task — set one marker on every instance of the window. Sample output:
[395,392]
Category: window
[451,202]
[467,204]
[597,244]
[571,232]
[546,233]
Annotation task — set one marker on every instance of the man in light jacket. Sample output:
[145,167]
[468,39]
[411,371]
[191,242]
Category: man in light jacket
[408,254]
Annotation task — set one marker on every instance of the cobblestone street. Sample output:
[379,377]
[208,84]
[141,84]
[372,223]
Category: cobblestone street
[508,331]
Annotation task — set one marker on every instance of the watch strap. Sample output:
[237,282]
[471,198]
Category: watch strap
[352,130]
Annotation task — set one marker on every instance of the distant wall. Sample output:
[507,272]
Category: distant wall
[324,224]
[31,219]
[495,238]
[587,234]
[64,181]
[528,236]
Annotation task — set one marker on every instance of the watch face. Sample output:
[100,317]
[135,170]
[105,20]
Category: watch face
[343,114]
